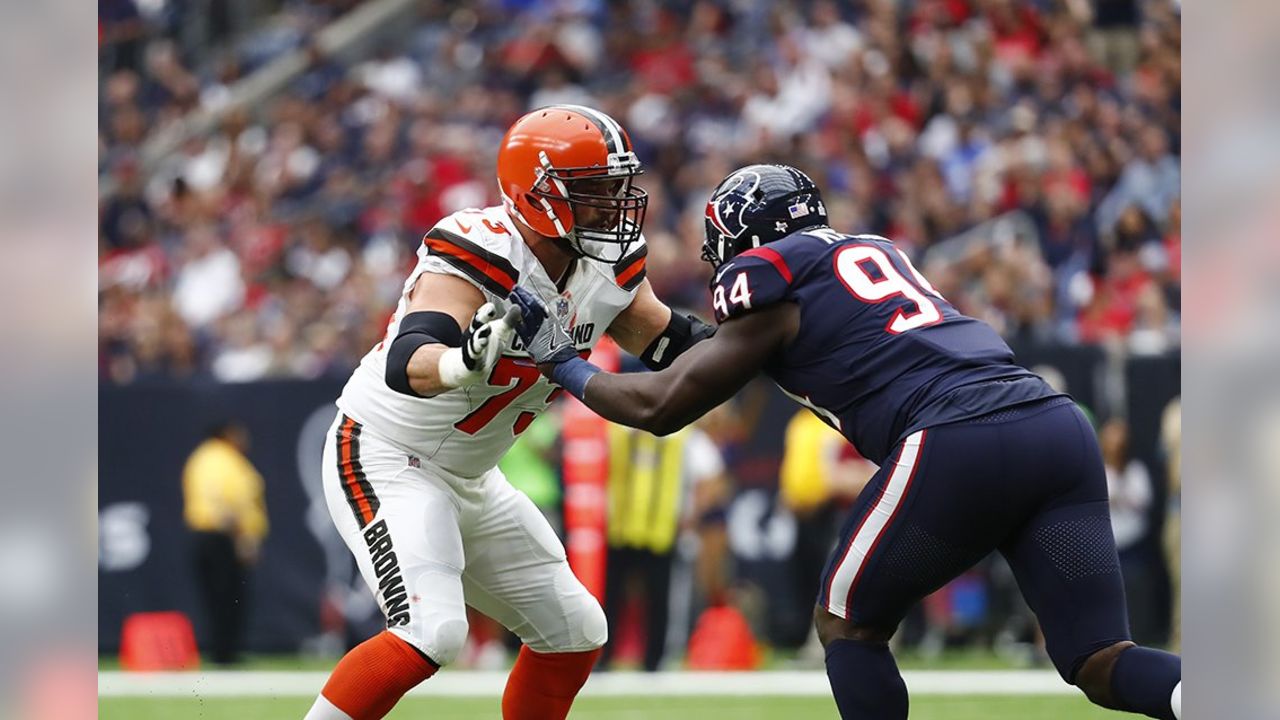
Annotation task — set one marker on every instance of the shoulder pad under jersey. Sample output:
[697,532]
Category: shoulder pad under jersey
[476,248]
[753,279]
[629,272]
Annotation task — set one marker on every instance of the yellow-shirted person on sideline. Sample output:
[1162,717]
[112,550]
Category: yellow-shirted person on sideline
[657,487]
[226,513]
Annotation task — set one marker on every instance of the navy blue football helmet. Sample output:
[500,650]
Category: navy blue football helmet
[758,204]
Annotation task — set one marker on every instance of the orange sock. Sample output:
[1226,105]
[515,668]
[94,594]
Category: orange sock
[542,686]
[372,678]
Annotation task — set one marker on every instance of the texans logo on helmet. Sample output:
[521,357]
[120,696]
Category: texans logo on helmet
[724,211]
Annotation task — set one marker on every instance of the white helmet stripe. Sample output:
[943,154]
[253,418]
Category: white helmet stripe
[550,177]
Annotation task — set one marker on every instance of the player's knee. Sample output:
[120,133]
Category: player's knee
[595,627]
[585,627]
[579,626]
[1094,676]
[831,628]
[441,640]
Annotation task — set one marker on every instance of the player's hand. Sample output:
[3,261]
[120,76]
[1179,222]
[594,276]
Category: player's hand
[543,336]
[487,336]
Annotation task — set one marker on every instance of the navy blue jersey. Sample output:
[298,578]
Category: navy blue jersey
[879,354]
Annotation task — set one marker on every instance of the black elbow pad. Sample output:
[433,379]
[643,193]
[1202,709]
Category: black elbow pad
[418,329]
[682,333]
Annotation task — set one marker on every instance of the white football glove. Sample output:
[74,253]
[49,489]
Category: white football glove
[482,345]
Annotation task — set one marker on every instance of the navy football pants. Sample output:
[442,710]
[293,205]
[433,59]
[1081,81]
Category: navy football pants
[1026,481]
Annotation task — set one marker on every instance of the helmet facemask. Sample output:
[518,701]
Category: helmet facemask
[717,248]
[606,205]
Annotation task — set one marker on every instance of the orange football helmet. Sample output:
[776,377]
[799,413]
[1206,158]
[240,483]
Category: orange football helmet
[567,171]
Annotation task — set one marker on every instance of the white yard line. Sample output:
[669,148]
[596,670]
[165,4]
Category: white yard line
[489,684]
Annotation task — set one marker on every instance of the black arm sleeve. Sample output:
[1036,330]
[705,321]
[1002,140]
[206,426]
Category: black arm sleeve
[682,333]
[418,329]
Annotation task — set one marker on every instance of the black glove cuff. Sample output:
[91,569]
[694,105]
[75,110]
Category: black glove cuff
[682,333]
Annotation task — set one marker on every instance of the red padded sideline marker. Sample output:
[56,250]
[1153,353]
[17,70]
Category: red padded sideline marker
[158,641]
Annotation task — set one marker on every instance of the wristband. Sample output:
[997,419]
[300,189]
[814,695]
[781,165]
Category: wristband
[453,370]
[573,374]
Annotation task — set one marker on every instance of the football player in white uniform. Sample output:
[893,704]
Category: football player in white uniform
[410,462]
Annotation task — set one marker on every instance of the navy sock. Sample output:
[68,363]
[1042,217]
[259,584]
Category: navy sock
[1143,680]
[865,681]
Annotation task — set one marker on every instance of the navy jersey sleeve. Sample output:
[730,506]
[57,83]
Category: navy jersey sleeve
[754,279]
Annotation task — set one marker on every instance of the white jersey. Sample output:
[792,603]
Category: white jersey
[466,431]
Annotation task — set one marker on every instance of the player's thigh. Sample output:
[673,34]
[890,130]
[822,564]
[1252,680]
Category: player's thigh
[517,573]
[1067,568]
[401,524]
[1064,557]
[904,536]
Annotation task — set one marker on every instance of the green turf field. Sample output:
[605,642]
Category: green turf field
[955,659]
[615,708]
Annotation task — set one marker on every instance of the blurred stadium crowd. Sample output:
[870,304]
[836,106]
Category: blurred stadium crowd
[275,245]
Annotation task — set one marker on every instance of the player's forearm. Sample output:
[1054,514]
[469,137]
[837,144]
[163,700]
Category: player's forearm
[641,322]
[433,369]
[659,402]
[637,334]
[423,370]
[640,400]
[437,368]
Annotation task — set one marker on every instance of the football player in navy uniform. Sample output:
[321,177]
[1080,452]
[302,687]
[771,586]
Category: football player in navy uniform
[976,453]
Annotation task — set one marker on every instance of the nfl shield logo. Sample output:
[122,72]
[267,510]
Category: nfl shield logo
[562,308]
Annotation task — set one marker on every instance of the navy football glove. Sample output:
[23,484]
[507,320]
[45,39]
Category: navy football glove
[543,336]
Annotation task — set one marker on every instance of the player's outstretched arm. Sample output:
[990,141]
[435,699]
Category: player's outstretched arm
[664,401]
[707,375]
